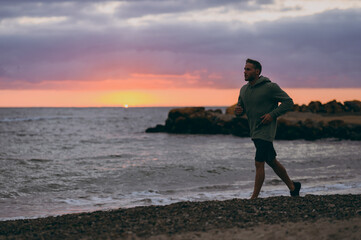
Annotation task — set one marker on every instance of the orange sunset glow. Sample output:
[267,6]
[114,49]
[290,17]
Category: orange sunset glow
[154,98]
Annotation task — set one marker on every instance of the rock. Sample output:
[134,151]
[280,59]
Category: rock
[296,108]
[330,107]
[352,106]
[230,110]
[239,127]
[311,130]
[335,124]
[337,129]
[158,128]
[184,112]
[304,108]
[201,121]
[334,107]
[186,217]
[316,107]
[219,111]
[197,120]
[288,130]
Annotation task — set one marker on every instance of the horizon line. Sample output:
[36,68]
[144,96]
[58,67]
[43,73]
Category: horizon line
[162,106]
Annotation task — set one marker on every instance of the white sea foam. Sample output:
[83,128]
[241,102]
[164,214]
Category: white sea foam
[92,201]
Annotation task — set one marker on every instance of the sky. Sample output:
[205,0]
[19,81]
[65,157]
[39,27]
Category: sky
[175,53]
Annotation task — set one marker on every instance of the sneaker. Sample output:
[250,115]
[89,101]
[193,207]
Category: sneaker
[296,192]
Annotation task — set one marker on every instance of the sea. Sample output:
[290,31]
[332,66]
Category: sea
[56,161]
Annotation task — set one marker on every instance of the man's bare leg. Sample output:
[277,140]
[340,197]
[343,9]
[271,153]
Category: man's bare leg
[280,170]
[259,179]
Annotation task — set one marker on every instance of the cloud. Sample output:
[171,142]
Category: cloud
[95,42]
[121,9]
[317,51]
[147,7]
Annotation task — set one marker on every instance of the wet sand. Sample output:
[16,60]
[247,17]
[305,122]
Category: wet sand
[309,217]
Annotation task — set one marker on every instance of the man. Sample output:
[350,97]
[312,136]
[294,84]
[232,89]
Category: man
[259,99]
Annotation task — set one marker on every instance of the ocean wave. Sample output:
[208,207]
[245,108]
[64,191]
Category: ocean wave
[85,159]
[30,119]
[39,160]
[93,201]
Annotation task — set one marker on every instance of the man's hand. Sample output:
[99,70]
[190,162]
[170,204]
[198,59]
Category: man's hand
[238,110]
[266,119]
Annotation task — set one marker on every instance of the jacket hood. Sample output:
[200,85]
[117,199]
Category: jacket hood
[261,80]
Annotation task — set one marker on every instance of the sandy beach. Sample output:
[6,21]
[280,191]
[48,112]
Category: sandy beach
[309,217]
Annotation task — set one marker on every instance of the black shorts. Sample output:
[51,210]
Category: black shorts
[264,151]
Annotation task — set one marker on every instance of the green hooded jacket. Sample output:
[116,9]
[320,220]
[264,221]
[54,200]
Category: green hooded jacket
[262,98]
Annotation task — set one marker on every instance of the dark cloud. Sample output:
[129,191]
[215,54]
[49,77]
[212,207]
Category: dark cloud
[39,9]
[128,8]
[151,7]
[314,51]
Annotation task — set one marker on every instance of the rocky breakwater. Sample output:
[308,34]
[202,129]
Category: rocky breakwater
[315,121]
[332,107]
[198,120]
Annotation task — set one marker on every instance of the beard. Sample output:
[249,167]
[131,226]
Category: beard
[249,79]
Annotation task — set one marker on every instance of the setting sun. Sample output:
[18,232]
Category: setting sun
[127,98]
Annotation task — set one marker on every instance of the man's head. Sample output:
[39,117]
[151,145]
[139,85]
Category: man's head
[252,70]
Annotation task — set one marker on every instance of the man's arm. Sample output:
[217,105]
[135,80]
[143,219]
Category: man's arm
[239,110]
[279,95]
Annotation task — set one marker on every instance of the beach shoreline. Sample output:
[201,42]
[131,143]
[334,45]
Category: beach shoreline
[202,220]
[321,229]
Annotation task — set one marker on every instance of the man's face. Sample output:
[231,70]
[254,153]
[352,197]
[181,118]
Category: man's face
[250,73]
